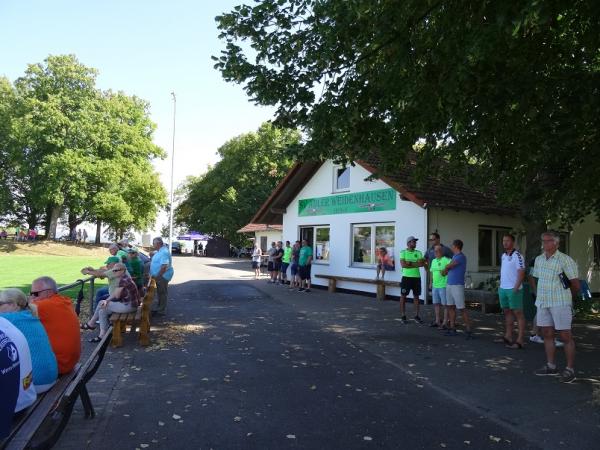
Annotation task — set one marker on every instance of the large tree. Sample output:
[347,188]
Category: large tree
[505,93]
[225,198]
[75,150]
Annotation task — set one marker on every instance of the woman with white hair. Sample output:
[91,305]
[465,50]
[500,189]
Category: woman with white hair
[124,299]
[15,308]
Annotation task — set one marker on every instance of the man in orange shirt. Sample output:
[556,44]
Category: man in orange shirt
[60,321]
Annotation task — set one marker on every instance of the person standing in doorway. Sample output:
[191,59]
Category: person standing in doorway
[411,261]
[557,284]
[161,269]
[304,264]
[84,235]
[510,292]
[455,289]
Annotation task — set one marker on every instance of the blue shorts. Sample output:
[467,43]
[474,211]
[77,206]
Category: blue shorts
[439,296]
[294,269]
[284,268]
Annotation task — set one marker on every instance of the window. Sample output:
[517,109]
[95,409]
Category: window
[341,179]
[490,246]
[263,243]
[321,250]
[367,239]
[318,238]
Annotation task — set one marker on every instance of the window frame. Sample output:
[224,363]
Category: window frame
[373,226]
[334,187]
[496,259]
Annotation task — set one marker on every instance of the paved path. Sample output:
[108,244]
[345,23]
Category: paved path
[240,364]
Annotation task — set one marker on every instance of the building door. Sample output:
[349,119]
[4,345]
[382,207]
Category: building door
[307,233]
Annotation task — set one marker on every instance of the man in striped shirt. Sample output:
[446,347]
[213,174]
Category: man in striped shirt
[554,303]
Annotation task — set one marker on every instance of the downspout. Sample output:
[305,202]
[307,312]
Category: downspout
[426,234]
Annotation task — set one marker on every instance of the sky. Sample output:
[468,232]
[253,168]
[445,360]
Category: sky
[147,48]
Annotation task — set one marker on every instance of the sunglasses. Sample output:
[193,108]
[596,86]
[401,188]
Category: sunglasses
[37,293]
[117,270]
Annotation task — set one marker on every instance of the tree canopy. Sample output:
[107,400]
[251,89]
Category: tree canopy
[67,146]
[224,199]
[506,93]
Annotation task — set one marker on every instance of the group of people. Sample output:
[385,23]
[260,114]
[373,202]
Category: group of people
[298,258]
[20,234]
[79,236]
[39,340]
[553,280]
[40,334]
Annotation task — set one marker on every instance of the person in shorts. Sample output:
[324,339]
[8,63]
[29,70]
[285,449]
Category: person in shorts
[285,261]
[510,292]
[256,259]
[295,276]
[438,283]
[554,270]
[411,261]
[277,262]
[455,289]
[271,262]
[384,262]
[304,264]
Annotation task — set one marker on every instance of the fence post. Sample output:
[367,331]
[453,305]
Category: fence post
[92,296]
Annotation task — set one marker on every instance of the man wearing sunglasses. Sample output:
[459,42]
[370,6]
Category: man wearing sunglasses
[60,321]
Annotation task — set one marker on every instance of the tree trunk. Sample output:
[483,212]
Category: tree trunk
[535,224]
[98,231]
[51,222]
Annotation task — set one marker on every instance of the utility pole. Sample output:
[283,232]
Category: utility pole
[172,206]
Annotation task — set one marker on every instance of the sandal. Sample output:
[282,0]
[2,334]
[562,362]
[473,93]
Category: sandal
[515,346]
[85,326]
[95,340]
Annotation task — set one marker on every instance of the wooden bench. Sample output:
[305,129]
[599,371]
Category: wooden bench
[40,425]
[381,284]
[141,316]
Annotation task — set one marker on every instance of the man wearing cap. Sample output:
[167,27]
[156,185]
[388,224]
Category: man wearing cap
[135,267]
[411,261]
[103,272]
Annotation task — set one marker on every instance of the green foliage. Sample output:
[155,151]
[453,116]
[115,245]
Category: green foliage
[507,93]
[225,198]
[67,144]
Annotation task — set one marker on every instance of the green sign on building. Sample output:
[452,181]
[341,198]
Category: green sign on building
[379,200]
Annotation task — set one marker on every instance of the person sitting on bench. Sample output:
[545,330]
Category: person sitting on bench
[124,299]
[60,321]
[14,308]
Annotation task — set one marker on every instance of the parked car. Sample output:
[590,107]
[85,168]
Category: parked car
[176,248]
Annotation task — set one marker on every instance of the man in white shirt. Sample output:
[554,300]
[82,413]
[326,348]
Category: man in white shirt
[512,274]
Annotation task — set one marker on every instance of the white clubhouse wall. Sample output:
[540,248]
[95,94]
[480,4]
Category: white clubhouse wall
[408,218]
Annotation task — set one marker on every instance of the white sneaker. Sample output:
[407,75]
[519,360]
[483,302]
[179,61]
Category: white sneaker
[558,343]
[537,339]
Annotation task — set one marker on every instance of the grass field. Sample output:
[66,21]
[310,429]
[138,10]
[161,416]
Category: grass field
[21,263]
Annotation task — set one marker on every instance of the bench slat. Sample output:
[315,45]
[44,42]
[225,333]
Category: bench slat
[359,280]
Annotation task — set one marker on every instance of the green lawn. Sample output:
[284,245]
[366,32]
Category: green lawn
[20,270]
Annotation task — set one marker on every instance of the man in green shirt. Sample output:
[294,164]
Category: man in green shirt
[411,261]
[304,265]
[285,261]
[438,283]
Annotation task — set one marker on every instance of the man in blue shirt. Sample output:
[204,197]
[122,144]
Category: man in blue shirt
[161,270]
[455,289]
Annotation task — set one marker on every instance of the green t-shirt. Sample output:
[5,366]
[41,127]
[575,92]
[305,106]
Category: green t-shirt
[287,255]
[436,267]
[305,253]
[411,256]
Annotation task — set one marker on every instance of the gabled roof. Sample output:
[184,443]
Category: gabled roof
[254,227]
[447,192]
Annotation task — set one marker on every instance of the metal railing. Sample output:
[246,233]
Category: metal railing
[81,295]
